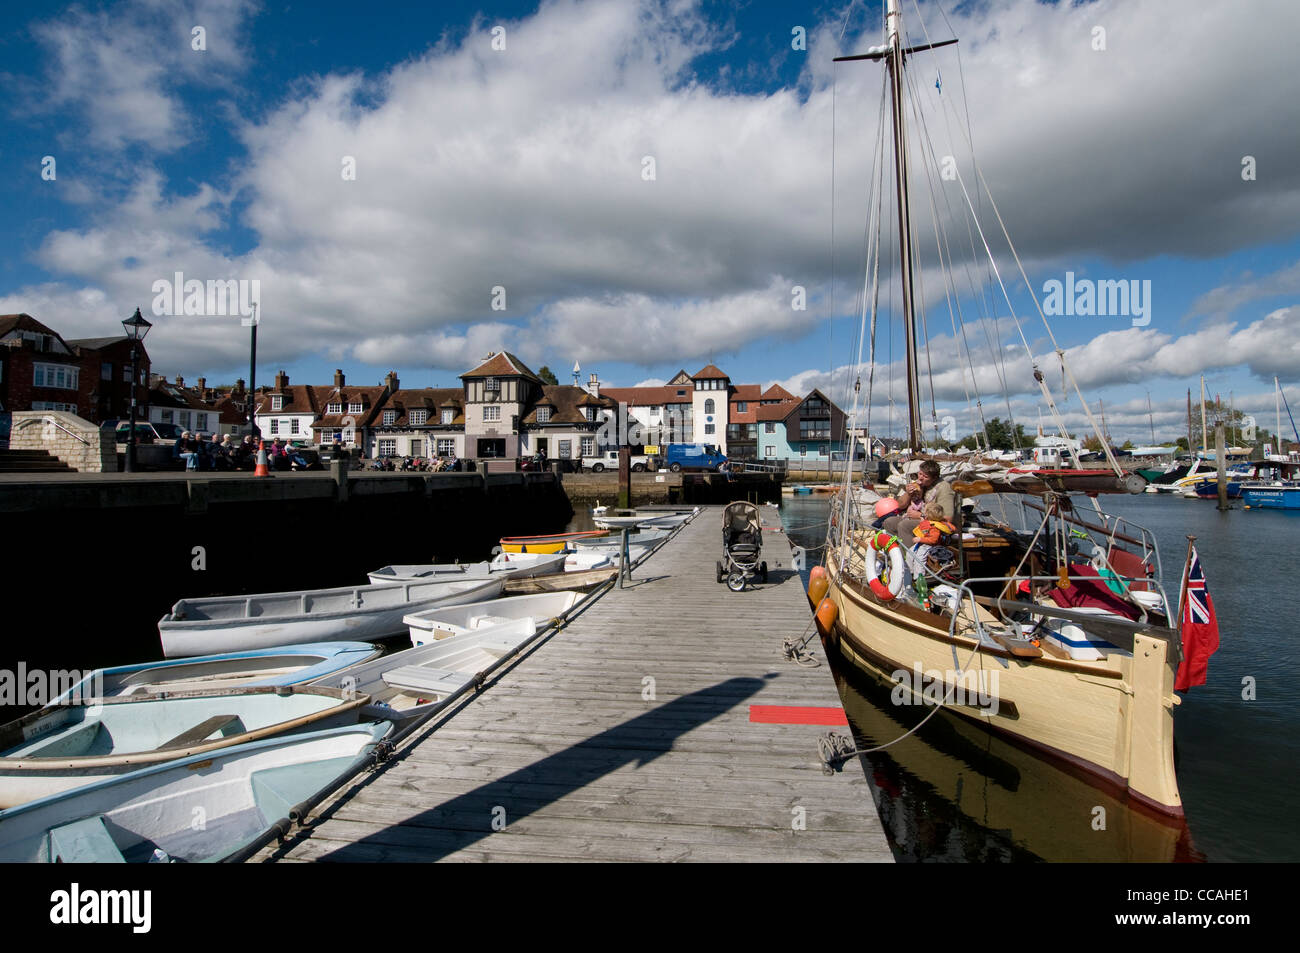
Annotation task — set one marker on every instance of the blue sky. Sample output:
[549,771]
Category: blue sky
[524,168]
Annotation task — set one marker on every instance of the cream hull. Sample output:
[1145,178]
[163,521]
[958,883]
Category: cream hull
[1113,718]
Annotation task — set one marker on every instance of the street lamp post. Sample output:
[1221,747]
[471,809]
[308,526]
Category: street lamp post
[251,322]
[136,328]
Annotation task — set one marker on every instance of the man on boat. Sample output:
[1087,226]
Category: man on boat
[912,502]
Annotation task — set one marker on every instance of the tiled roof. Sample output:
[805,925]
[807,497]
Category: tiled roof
[430,399]
[777,392]
[568,402]
[745,392]
[765,412]
[94,344]
[708,372]
[649,396]
[502,364]
[371,400]
[169,395]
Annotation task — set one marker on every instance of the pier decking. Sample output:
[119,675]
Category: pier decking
[661,724]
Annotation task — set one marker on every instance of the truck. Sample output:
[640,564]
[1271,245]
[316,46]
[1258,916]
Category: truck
[608,460]
[693,456]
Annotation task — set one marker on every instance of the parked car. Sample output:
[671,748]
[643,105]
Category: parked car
[608,460]
[693,456]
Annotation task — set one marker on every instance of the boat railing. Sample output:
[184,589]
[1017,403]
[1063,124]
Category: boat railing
[1110,625]
[1114,528]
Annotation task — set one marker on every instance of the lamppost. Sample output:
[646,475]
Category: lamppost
[251,322]
[136,328]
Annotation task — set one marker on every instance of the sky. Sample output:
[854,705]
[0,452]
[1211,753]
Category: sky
[643,186]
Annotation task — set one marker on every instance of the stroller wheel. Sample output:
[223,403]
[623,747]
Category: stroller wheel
[719,572]
[736,581]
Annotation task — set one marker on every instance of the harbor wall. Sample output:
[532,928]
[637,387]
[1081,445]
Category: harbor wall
[585,489]
[92,563]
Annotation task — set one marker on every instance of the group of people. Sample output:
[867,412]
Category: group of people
[223,453]
[429,465]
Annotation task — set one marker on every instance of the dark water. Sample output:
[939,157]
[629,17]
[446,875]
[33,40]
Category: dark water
[951,792]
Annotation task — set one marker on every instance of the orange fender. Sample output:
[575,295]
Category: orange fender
[818,583]
[825,616]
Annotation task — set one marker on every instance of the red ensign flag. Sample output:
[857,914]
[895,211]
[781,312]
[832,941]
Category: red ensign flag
[1200,628]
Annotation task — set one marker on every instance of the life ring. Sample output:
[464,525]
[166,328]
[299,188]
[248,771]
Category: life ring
[884,544]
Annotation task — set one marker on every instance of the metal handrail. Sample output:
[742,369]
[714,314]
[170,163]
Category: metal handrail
[50,420]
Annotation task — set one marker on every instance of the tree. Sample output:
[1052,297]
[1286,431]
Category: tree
[1092,444]
[547,375]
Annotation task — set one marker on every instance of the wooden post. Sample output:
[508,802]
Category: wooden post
[1222,465]
[624,478]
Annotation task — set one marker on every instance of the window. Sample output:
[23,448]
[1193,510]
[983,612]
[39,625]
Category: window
[803,449]
[590,413]
[417,448]
[126,375]
[814,429]
[54,375]
[588,446]
[448,416]
[419,418]
[491,385]
[742,406]
[50,405]
[388,448]
[446,447]
[201,422]
[566,449]
[166,417]
[277,403]
[543,415]
[390,418]
[334,408]
[325,436]
[708,406]
[354,407]
[821,450]
[492,413]
[769,451]
[185,420]
[106,372]
[769,427]
[293,425]
[709,428]
[681,393]
[275,425]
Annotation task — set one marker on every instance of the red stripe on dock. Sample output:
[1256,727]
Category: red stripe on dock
[796,715]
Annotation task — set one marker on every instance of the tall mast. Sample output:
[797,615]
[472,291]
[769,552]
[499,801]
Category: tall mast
[1205,442]
[894,62]
[1277,404]
[1190,447]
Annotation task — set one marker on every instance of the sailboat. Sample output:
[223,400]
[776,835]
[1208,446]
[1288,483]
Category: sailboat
[1058,637]
[1281,490]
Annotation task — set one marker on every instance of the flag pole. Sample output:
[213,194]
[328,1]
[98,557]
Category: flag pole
[1182,587]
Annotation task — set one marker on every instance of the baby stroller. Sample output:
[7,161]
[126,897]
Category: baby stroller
[742,546]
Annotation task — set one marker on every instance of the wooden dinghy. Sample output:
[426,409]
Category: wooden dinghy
[544,609]
[583,580]
[237,623]
[550,543]
[63,747]
[279,665]
[422,679]
[648,538]
[518,565]
[240,793]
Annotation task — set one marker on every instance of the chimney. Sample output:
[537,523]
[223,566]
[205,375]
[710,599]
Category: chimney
[338,377]
[180,381]
[238,390]
[593,386]
[281,381]
[391,382]
[202,384]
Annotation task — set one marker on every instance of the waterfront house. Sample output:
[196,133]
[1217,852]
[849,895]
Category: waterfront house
[804,431]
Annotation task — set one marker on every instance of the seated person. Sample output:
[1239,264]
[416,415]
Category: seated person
[927,489]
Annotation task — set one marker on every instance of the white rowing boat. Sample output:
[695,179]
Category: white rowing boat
[422,679]
[236,796]
[237,623]
[514,565]
[63,747]
[542,608]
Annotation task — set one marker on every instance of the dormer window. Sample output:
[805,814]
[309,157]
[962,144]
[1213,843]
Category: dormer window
[590,413]
[277,403]
[543,415]
[354,407]
[335,408]
[419,418]
[448,416]
[390,418]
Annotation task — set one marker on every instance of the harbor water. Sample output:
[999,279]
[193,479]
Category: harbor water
[951,792]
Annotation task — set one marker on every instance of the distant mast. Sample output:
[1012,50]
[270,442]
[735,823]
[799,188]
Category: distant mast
[1205,440]
[1151,420]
